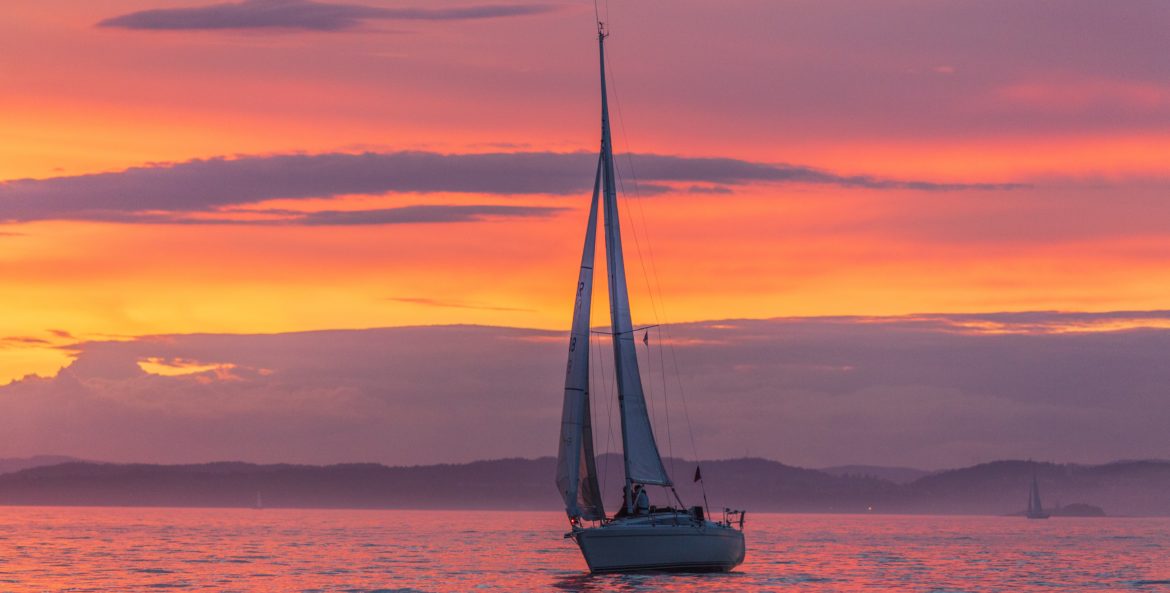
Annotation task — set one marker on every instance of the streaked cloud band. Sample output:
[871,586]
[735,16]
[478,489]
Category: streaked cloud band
[306,15]
[169,192]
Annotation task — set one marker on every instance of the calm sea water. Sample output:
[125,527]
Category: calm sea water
[100,549]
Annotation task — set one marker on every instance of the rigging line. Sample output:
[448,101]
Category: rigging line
[637,190]
[683,397]
[650,385]
[665,408]
[646,277]
[662,370]
[664,328]
[655,303]
[593,408]
[595,387]
[635,330]
[658,302]
[608,412]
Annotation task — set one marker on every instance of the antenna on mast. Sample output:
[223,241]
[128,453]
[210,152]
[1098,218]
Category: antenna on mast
[597,17]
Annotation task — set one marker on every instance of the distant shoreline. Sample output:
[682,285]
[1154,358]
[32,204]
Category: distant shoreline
[551,511]
[1133,489]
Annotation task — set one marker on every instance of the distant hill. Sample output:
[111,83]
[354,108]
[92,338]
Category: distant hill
[15,464]
[999,488]
[897,475]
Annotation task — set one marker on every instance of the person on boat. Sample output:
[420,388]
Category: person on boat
[622,512]
[641,501]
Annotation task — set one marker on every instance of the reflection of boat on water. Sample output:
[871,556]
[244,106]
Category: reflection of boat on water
[1035,509]
[639,536]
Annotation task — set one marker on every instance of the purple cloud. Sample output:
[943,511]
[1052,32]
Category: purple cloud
[926,391]
[162,193]
[419,214]
[306,15]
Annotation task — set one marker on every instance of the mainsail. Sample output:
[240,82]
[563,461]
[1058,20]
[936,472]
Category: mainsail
[643,463]
[576,465]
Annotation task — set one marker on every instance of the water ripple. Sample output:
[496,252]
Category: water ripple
[139,550]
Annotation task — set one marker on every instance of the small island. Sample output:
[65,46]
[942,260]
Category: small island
[1078,509]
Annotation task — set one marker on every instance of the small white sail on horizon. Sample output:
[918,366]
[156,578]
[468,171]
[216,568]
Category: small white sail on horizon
[1035,508]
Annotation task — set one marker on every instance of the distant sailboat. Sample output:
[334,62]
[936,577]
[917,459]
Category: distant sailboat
[259,502]
[638,537]
[1035,509]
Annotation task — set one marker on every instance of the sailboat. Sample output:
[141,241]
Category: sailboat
[638,537]
[1035,509]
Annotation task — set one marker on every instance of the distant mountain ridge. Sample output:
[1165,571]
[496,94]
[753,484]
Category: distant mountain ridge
[998,488]
[15,464]
[1121,488]
[897,475]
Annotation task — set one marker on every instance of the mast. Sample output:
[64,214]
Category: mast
[643,463]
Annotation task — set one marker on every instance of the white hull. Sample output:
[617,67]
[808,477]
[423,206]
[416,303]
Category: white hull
[638,544]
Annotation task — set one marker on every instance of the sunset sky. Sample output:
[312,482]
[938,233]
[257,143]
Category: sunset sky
[281,166]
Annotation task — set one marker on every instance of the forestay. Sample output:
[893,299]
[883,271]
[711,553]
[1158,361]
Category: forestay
[642,460]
